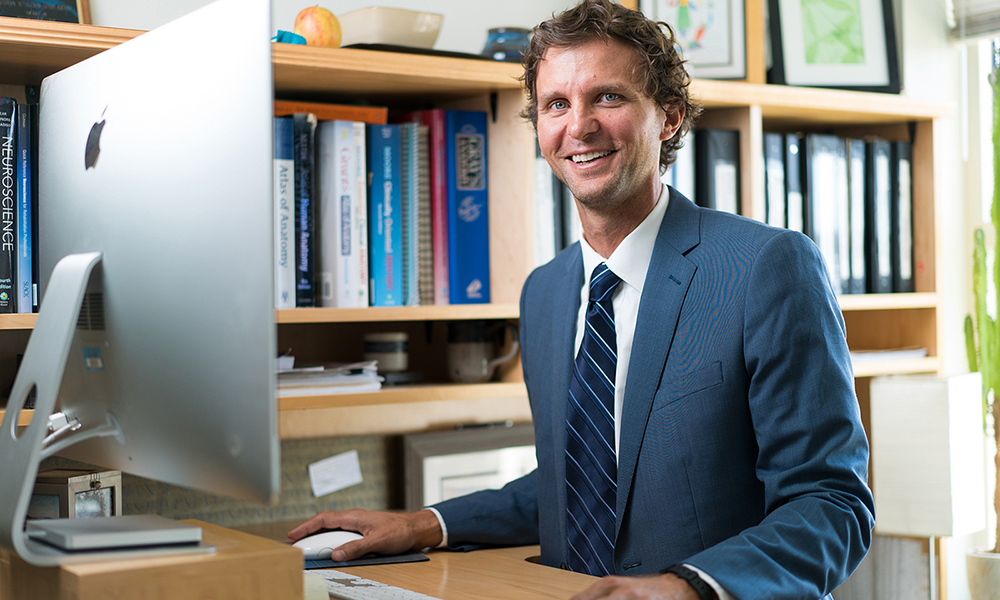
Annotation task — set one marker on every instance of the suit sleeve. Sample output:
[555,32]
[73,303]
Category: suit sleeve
[813,452]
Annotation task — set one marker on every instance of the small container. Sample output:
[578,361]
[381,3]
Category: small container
[506,44]
[390,349]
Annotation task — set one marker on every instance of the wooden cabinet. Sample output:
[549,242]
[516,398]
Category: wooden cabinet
[30,50]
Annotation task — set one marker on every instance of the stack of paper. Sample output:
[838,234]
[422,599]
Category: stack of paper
[335,378]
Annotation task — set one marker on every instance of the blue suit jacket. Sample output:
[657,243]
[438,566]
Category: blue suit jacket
[742,450]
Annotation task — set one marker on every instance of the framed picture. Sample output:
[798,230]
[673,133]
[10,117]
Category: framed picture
[846,44]
[442,465]
[66,11]
[710,34]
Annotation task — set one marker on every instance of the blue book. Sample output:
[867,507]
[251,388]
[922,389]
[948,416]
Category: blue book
[468,207]
[385,236]
[284,213]
[25,241]
[410,166]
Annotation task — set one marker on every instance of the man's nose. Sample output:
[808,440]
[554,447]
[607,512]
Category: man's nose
[583,122]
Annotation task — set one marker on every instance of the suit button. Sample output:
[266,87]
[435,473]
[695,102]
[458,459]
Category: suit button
[563,567]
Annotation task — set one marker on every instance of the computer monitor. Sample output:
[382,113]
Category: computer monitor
[156,336]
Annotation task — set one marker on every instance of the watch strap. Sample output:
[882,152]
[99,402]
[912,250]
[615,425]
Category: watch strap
[700,586]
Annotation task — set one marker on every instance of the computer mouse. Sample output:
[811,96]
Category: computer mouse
[319,546]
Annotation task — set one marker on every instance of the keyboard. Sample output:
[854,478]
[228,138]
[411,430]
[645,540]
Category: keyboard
[351,587]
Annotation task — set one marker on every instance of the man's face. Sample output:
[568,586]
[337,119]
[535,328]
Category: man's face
[597,128]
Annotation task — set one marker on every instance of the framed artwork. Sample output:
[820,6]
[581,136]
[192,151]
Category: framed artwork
[846,44]
[442,465]
[66,11]
[711,34]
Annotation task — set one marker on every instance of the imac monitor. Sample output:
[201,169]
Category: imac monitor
[154,347]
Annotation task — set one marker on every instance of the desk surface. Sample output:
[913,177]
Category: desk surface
[500,574]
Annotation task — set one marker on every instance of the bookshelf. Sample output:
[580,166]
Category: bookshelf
[30,50]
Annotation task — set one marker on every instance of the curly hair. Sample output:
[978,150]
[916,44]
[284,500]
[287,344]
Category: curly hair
[659,69]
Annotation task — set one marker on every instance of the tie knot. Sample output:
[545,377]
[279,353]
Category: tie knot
[603,282]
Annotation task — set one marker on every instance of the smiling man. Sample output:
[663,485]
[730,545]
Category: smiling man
[688,372]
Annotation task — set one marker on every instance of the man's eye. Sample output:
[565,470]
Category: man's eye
[611,97]
[558,105]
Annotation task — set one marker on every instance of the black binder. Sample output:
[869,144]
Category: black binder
[794,206]
[878,225]
[826,202]
[717,169]
[901,235]
[856,185]
[774,180]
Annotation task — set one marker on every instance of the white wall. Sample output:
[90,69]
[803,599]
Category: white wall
[463,29]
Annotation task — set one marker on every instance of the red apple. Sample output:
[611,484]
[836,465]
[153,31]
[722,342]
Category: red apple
[319,26]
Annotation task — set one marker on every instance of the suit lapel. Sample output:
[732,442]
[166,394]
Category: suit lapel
[667,282]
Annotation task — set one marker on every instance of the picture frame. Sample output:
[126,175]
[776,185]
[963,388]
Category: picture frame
[711,34]
[441,465]
[861,56]
[65,11]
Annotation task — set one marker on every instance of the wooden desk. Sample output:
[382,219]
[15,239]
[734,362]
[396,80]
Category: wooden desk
[500,574]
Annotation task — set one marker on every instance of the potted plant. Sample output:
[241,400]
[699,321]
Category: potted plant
[982,338]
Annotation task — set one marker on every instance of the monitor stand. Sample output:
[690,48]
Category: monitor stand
[42,371]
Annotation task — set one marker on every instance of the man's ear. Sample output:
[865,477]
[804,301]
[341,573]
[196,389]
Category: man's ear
[673,116]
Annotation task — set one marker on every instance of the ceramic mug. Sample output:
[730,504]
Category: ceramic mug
[472,348]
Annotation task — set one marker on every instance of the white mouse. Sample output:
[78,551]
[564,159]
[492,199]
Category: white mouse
[319,546]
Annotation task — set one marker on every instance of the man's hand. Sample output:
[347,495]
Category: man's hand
[660,587]
[384,532]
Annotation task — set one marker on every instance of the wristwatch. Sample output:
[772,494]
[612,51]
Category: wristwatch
[705,591]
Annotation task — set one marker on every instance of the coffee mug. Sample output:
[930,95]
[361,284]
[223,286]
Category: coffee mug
[472,348]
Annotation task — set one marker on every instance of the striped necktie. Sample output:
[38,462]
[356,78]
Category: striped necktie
[591,463]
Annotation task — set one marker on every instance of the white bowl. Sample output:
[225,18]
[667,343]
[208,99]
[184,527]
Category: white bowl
[395,26]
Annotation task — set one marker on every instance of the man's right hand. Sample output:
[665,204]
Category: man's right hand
[384,532]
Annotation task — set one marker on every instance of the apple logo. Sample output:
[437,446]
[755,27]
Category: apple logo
[94,142]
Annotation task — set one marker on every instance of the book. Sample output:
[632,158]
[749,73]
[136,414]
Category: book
[774,180]
[376,115]
[361,212]
[33,94]
[434,120]
[468,207]
[284,214]
[794,206]
[24,289]
[385,265]
[825,175]
[304,127]
[901,245]
[338,195]
[856,182]
[717,169]
[878,218]
[425,248]
[409,137]
[8,205]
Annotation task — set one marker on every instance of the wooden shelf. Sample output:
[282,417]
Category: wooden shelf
[407,394]
[930,364]
[18,321]
[451,312]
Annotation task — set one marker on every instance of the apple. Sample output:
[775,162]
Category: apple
[319,26]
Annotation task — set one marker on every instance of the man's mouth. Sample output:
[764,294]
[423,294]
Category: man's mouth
[585,158]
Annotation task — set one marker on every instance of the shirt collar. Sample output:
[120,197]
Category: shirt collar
[630,260]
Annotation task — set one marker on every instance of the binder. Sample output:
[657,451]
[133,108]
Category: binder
[856,200]
[794,204]
[774,180]
[825,194]
[717,169]
[878,229]
[901,235]
[681,174]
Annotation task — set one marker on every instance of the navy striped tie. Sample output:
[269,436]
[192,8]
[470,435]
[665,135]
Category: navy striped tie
[591,464]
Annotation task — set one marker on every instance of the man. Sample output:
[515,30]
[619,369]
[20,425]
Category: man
[707,433]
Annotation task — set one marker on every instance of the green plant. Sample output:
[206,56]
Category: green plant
[982,331]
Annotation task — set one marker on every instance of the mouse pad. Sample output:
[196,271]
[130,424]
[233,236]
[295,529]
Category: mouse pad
[372,559]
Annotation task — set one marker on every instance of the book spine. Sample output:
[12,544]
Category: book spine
[902,217]
[304,148]
[468,208]
[425,248]
[410,132]
[385,236]
[336,190]
[856,190]
[25,238]
[8,205]
[360,238]
[435,121]
[284,204]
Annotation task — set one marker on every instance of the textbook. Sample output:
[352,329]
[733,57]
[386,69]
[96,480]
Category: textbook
[385,239]
[468,207]
[8,205]
[25,219]
[305,191]
[284,214]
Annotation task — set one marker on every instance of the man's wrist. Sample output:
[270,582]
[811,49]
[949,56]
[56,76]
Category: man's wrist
[693,579]
[427,528]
